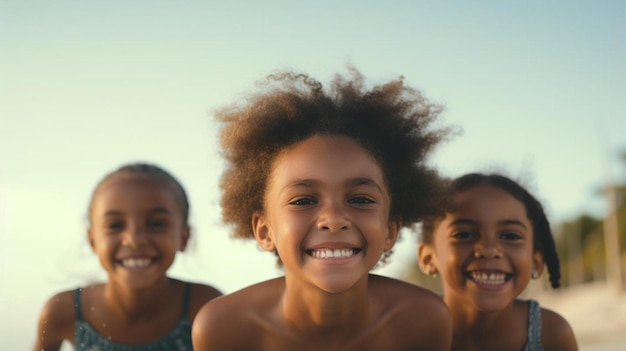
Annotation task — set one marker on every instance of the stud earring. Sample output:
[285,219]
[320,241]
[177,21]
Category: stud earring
[534,275]
[385,257]
[432,271]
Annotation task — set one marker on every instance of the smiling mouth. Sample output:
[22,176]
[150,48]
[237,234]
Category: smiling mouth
[135,263]
[488,278]
[333,253]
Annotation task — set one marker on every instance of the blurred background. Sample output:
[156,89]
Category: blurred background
[537,88]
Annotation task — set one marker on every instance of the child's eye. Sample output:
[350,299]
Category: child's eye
[114,225]
[464,235]
[157,224]
[361,200]
[303,201]
[510,236]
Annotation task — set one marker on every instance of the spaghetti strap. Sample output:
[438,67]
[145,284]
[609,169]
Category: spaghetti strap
[186,293]
[533,342]
[79,316]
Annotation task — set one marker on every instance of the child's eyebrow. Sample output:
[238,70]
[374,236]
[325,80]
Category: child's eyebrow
[514,222]
[112,213]
[364,181]
[160,210]
[350,182]
[467,221]
[461,221]
[300,183]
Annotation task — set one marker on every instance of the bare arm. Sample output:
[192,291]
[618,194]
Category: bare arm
[556,333]
[200,294]
[432,324]
[217,326]
[422,320]
[56,323]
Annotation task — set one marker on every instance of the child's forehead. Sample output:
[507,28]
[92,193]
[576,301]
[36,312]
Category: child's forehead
[125,182]
[484,191]
[488,199]
[338,142]
[320,148]
[311,156]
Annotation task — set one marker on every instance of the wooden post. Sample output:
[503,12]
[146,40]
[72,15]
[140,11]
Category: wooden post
[574,255]
[614,270]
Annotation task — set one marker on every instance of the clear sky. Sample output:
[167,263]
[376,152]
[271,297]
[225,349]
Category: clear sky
[538,88]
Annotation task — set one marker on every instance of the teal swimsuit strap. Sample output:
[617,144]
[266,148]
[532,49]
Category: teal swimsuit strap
[534,322]
[79,316]
[186,294]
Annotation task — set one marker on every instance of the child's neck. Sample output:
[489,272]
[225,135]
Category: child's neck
[476,330]
[139,304]
[314,312]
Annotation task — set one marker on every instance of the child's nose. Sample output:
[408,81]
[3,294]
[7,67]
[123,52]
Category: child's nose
[134,236]
[487,248]
[333,218]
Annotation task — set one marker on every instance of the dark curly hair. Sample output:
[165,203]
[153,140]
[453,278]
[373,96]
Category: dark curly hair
[543,240]
[392,121]
[153,172]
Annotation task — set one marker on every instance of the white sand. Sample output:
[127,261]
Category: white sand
[596,313]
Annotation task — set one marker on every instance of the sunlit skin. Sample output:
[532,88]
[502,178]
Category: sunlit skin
[136,219]
[136,230]
[484,253]
[343,205]
[325,195]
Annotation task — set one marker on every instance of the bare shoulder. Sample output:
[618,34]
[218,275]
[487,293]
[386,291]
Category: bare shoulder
[199,295]
[221,322]
[556,333]
[398,291]
[419,315]
[56,322]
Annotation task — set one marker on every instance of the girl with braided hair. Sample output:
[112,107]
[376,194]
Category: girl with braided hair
[491,237]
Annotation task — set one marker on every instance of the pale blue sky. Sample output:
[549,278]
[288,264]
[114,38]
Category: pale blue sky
[538,87]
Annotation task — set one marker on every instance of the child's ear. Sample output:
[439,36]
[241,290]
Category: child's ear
[538,264]
[426,259]
[393,231]
[186,234]
[262,232]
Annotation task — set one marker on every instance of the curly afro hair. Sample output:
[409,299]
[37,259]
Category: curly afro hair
[392,121]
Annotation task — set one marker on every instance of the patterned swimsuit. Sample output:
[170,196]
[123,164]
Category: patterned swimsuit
[86,338]
[533,341]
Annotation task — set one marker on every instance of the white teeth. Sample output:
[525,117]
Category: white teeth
[328,253]
[136,262]
[488,278]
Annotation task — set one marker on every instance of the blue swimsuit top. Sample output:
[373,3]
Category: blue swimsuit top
[86,338]
[533,341]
